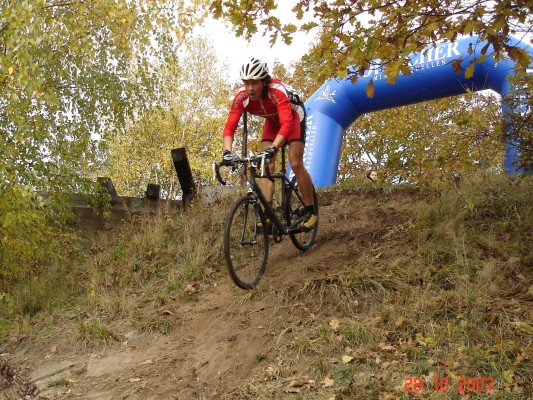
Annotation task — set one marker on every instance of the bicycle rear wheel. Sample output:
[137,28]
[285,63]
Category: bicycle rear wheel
[294,212]
[245,244]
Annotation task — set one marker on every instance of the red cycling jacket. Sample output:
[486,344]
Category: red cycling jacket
[278,105]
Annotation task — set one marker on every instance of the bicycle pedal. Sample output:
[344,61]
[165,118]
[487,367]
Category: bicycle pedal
[305,229]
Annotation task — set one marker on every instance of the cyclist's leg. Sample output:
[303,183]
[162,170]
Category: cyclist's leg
[267,186]
[305,184]
[296,157]
[269,134]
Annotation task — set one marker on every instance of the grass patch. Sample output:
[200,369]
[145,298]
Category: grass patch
[93,333]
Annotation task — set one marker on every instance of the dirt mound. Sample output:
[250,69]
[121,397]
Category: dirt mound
[229,343]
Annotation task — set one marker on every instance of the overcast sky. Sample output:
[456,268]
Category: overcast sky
[235,51]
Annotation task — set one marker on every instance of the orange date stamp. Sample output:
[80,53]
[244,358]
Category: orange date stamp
[442,384]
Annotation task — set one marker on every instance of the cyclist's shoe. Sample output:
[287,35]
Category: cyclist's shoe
[268,226]
[309,221]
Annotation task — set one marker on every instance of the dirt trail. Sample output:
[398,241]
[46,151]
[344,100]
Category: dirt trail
[224,338]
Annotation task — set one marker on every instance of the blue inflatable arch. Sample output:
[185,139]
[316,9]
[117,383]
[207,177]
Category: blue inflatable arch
[338,103]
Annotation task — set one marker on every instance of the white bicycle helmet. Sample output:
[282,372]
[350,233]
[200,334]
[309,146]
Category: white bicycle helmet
[254,69]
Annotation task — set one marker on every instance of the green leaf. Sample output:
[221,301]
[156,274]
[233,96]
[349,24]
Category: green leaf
[508,376]
[309,26]
[291,28]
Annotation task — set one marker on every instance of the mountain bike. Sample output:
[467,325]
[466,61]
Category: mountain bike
[252,220]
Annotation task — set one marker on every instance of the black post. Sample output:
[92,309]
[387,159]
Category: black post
[107,184]
[153,191]
[183,169]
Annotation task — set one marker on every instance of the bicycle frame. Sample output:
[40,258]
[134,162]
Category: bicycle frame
[255,189]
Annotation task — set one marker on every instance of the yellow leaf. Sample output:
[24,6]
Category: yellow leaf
[469,73]
[370,89]
[271,371]
[334,323]
[347,359]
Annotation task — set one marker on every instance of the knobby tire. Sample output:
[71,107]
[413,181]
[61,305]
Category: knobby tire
[245,244]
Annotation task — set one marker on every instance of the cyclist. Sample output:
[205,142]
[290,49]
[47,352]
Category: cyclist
[285,121]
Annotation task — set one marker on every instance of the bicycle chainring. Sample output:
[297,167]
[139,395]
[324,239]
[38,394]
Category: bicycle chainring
[276,234]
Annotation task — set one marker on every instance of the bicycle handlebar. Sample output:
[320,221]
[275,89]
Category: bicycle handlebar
[216,171]
[258,158]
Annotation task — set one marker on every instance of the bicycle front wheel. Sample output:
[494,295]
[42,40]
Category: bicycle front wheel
[246,242]
[302,240]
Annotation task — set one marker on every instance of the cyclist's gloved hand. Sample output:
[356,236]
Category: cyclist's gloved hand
[228,156]
[271,151]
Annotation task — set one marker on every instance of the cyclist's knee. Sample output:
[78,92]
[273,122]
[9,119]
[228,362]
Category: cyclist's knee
[297,166]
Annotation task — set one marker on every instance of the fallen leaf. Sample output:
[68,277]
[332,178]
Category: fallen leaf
[327,382]
[334,323]
[347,359]
[386,347]
[190,289]
[518,389]
[523,326]
[297,383]
[508,376]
